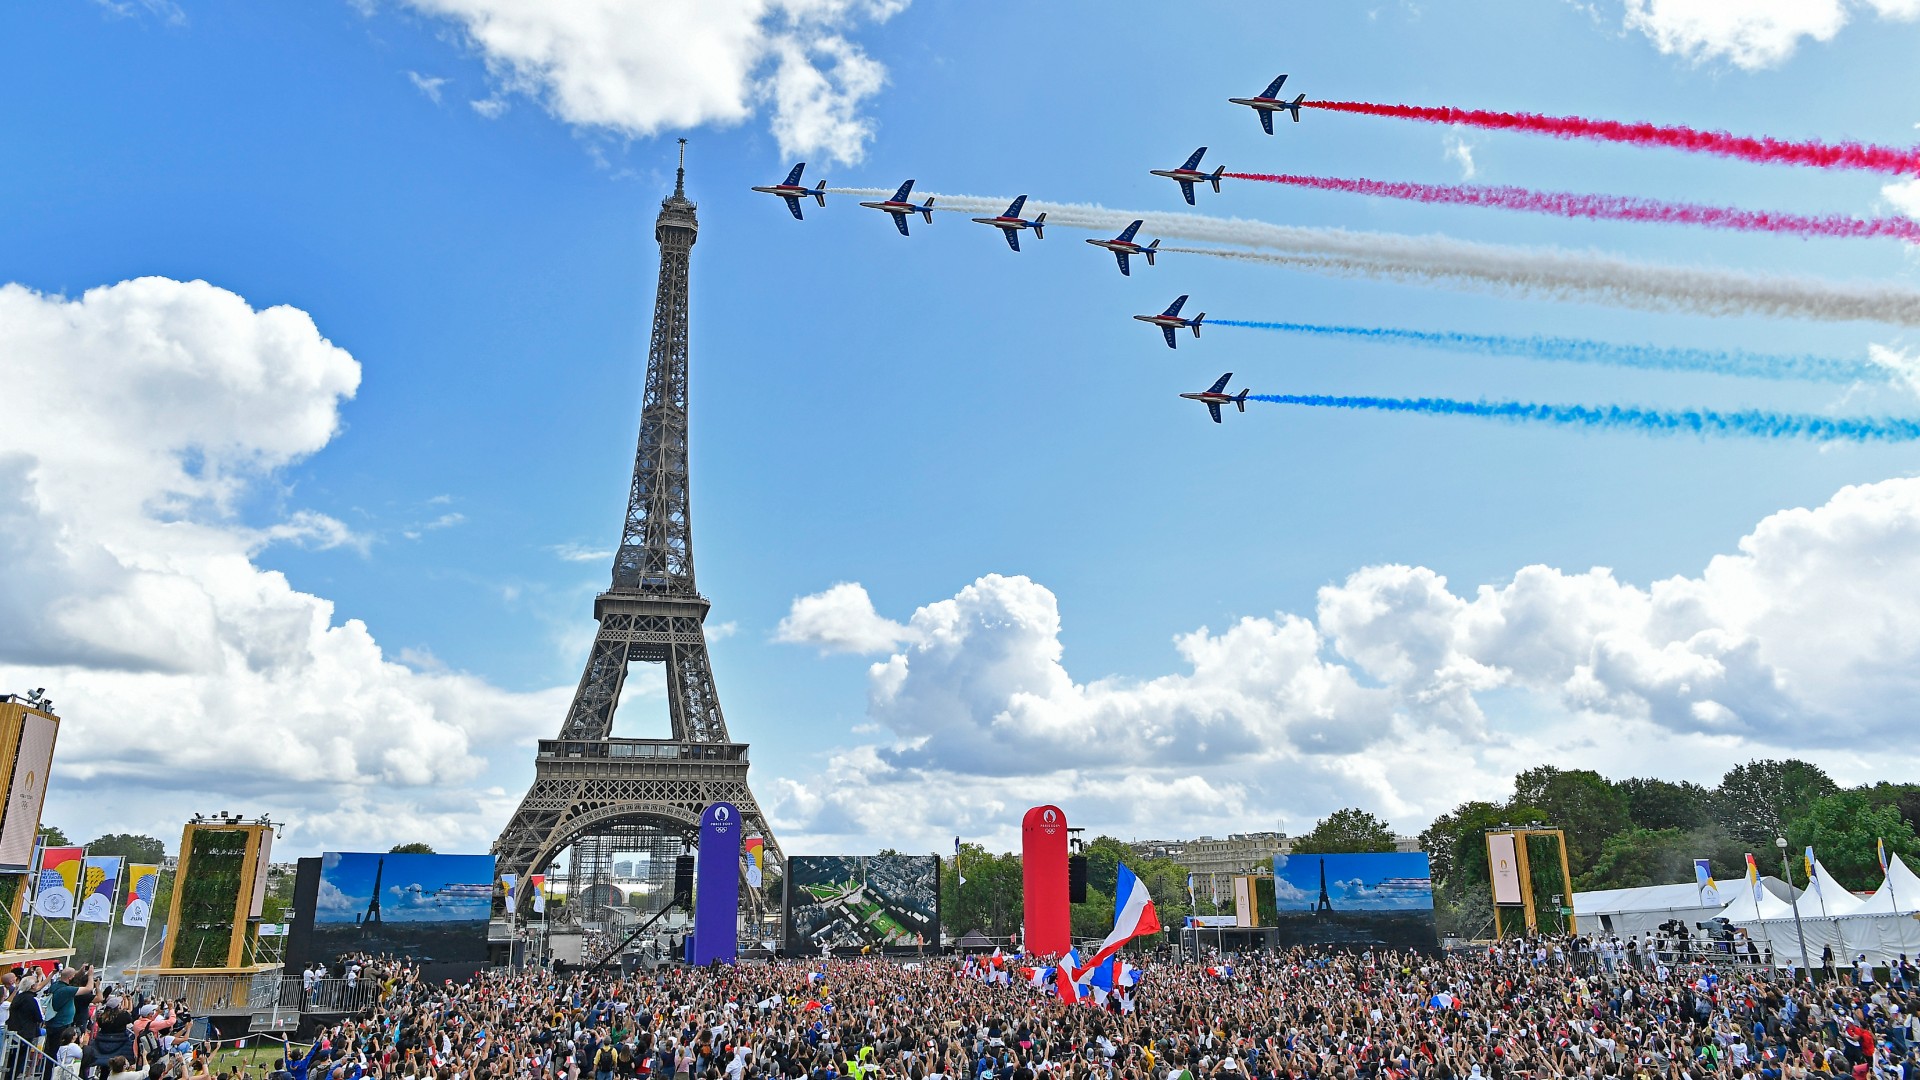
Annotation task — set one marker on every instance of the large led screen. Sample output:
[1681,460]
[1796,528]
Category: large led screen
[855,901]
[428,908]
[1379,899]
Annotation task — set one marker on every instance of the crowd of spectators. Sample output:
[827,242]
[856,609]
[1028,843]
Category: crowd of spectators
[1512,1011]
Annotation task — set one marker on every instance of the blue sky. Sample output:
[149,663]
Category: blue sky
[459,193]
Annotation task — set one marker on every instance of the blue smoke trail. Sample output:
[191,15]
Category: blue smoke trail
[1584,351]
[1752,423]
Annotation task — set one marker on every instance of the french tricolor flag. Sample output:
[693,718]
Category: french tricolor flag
[1133,916]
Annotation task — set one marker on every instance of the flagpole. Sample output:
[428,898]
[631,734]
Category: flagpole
[113,910]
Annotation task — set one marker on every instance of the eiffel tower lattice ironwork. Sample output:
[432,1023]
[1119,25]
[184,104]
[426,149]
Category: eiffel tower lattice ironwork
[590,789]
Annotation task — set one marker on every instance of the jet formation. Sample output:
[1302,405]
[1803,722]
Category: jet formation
[901,208]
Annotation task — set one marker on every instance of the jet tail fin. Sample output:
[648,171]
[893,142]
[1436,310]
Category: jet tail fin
[1150,250]
[1218,171]
[1241,401]
[926,209]
[1038,224]
[820,192]
[1196,323]
[1294,107]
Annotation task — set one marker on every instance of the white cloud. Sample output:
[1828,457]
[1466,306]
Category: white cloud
[492,108]
[427,84]
[1459,150]
[840,619]
[1805,641]
[1904,195]
[582,553]
[1751,34]
[641,68]
[182,667]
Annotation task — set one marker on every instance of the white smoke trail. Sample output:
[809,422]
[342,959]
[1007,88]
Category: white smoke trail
[1537,271]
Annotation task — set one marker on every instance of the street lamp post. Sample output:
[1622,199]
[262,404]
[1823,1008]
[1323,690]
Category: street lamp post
[1805,963]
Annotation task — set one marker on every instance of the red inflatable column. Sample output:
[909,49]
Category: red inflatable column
[1043,869]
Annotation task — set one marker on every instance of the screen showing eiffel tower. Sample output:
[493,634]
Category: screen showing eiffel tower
[432,909]
[1375,899]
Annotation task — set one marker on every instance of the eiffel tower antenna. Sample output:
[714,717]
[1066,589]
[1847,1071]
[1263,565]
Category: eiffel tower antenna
[592,790]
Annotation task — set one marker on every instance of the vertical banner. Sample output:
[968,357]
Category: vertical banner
[538,883]
[59,877]
[143,881]
[1043,872]
[1753,882]
[509,884]
[756,865]
[26,792]
[1503,862]
[716,887]
[99,883]
[1703,877]
[1246,909]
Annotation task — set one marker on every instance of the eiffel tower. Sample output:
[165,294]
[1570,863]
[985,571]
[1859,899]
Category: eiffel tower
[592,791]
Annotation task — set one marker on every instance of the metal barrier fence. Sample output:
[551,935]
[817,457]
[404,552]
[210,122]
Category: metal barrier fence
[21,1060]
[293,993]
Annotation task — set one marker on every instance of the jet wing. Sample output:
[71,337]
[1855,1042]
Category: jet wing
[1168,330]
[1186,188]
[1220,383]
[1013,238]
[1266,120]
[900,221]
[1122,256]
[793,204]
[1214,408]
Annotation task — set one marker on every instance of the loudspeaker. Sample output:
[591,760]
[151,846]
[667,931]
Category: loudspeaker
[683,877]
[1076,879]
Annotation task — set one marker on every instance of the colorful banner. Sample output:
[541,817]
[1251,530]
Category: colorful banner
[538,883]
[99,884]
[756,860]
[58,878]
[1703,877]
[1753,878]
[716,889]
[1812,877]
[511,882]
[1880,849]
[143,881]
[1043,869]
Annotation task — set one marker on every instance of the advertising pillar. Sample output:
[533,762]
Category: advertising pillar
[716,887]
[1043,868]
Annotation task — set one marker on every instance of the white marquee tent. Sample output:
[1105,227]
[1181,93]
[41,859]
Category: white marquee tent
[1638,912]
[1882,927]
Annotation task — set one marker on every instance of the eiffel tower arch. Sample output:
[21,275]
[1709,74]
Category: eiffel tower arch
[594,793]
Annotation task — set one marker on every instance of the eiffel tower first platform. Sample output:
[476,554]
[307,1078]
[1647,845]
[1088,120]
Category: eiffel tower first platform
[598,794]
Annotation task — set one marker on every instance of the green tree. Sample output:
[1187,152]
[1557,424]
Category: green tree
[1660,804]
[414,848]
[1843,829]
[1640,857]
[132,847]
[1580,801]
[1755,801]
[1456,847]
[990,901]
[1344,831]
[1902,797]
[51,836]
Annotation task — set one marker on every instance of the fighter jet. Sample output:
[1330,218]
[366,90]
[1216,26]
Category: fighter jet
[793,191]
[1169,320]
[1269,103]
[1215,396]
[1189,174]
[1123,246]
[900,207]
[1010,223]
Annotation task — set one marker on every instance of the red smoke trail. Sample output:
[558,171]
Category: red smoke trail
[1886,159]
[1608,207]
